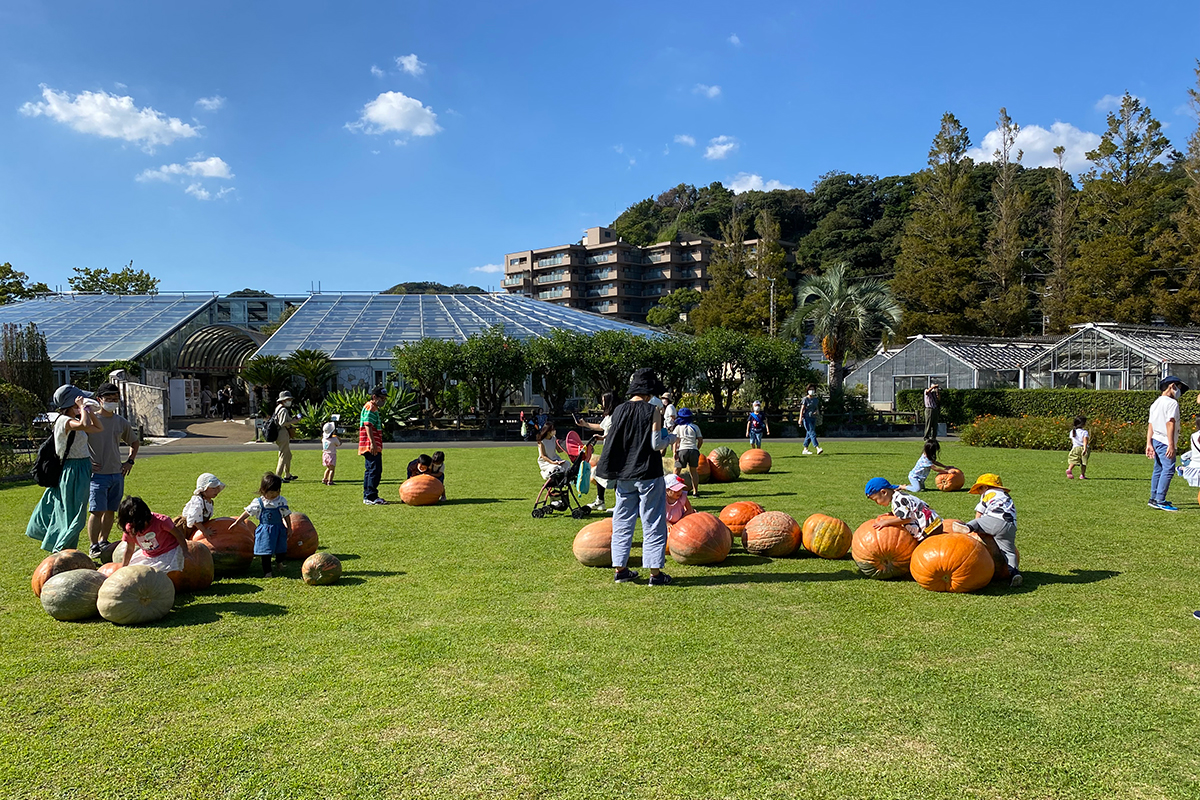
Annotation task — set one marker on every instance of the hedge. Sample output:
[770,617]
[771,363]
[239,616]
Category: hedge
[1051,433]
[962,406]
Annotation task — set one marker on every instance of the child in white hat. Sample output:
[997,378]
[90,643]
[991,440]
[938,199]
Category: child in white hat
[329,445]
[199,508]
[678,506]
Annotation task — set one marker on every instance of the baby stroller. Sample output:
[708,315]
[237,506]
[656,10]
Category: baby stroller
[558,493]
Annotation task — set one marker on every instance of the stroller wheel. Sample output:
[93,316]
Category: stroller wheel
[538,513]
[581,512]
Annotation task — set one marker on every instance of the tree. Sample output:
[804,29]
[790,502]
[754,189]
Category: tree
[250,293]
[1005,309]
[859,219]
[611,359]
[270,372]
[24,360]
[316,369]
[673,359]
[725,302]
[427,365]
[936,282]
[673,310]
[553,360]
[848,318]
[15,285]
[719,354]
[1061,247]
[270,328]
[777,365]
[493,364]
[1179,301]
[769,276]
[101,281]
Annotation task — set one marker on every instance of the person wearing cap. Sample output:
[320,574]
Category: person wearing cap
[370,446]
[678,506]
[1162,433]
[919,517]
[287,426]
[997,516]
[632,458]
[756,425]
[108,470]
[669,411]
[687,448]
[61,514]
[199,508]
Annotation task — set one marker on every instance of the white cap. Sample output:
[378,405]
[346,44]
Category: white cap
[208,481]
[675,483]
[328,429]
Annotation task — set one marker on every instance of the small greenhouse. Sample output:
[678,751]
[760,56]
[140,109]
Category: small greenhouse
[1112,356]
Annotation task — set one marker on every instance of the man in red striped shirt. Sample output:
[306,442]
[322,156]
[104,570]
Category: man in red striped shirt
[370,447]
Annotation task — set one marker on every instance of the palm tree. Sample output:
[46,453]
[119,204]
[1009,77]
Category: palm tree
[317,370]
[848,318]
[270,372]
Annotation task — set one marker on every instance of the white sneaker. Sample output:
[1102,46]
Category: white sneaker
[596,505]
[819,451]
[806,452]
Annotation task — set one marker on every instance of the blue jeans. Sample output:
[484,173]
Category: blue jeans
[1160,476]
[756,440]
[105,492]
[810,432]
[647,499]
[372,472]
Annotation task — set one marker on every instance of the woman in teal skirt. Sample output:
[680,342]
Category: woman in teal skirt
[61,514]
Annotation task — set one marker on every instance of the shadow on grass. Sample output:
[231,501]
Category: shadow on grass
[472,501]
[744,560]
[374,573]
[203,614]
[1032,580]
[718,579]
[228,588]
[346,556]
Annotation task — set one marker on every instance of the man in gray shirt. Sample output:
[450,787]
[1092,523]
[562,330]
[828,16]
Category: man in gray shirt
[108,471]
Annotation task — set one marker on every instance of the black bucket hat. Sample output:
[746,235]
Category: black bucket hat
[645,381]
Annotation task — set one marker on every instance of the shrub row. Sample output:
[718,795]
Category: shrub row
[1051,433]
[962,406]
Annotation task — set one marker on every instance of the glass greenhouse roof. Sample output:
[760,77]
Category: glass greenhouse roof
[367,327]
[103,328]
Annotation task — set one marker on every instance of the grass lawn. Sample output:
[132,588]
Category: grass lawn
[465,653]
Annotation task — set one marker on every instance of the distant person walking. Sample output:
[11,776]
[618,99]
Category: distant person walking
[933,407]
[108,470]
[370,446]
[810,406]
[60,515]
[227,406]
[206,401]
[286,421]
[1161,435]
[756,425]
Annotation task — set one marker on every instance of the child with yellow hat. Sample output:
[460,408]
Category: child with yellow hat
[996,515]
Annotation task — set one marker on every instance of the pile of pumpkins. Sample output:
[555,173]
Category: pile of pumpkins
[722,464]
[72,588]
[956,560]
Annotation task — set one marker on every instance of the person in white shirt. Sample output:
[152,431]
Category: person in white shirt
[1081,447]
[1189,469]
[1161,435]
[687,449]
[668,411]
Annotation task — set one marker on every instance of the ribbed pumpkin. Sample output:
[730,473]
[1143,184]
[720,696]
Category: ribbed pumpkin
[136,594]
[755,461]
[723,464]
[825,536]
[198,569]
[952,562]
[699,538]
[109,568]
[593,544]
[421,490]
[72,595]
[703,470]
[302,536]
[771,533]
[883,553]
[232,545]
[57,563]
[736,515]
[950,481]
[321,569]
[998,559]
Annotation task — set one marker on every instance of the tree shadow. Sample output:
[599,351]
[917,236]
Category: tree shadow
[206,613]
[719,578]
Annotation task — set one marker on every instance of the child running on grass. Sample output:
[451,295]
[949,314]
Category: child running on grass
[756,425]
[199,508]
[919,519]
[1080,448]
[687,448]
[329,445]
[678,506]
[271,510]
[925,464]
[996,515]
[150,539]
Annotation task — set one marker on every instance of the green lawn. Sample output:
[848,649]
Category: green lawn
[465,653]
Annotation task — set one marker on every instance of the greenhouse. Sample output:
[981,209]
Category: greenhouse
[1111,356]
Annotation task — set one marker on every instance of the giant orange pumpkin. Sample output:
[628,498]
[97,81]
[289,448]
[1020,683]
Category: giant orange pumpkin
[736,515]
[198,569]
[302,536]
[593,544]
[755,461]
[950,481]
[109,568]
[771,533]
[998,559]
[952,562]
[57,563]
[825,536]
[421,490]
[703,470]
[232,545]
[883,553]
[699,538]
[723,464]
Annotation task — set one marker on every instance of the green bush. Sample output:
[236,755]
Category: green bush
[1051,433]
[961,406]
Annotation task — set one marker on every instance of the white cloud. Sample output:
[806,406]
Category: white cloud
[120,85]
[199,192]
[684,138]
[490,268]
[708,91]
[225,191]
[1038,145]
[745,182]
[618,148]
[211,167]
[720,147]
[211,103]
[374,152]
[110,116]
[411,64]
[734,40]
[376,71]
[1111,102]
[396,112]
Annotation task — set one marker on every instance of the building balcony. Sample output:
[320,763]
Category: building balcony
[554,277]
[558,293]
[600,275]
[514,280]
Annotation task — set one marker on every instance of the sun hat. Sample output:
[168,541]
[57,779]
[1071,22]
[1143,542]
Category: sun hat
[1167,381]
[756,404]
[683,415]
[645,381]
[328,429]
[208,481]
[675,483]
[878,485]
[284,395]
[66,395]
[988,480]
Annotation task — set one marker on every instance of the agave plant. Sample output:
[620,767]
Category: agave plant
[312,417]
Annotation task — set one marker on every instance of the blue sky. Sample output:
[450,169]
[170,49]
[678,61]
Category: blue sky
[274,145]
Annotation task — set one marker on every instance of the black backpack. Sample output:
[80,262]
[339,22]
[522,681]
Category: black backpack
[48,468]
[271,434]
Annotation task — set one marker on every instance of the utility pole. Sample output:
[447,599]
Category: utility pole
[772,280]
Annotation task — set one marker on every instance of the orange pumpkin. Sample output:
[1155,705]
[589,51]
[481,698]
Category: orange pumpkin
[723,464]
[109,568]
[952,562]
[198,570]
[699,538]
[950,481]
[232,545]
[57,563]
[302,536]
[421,490]
[736,515]
[593,544]
[771,533]
[755,461]
[703,470]
[885,552]
[825,536]
[998,559]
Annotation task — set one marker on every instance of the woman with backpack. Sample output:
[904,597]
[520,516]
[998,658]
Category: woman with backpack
[283,425]
[61,514]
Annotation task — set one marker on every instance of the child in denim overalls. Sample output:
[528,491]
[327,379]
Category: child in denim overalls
[271,535]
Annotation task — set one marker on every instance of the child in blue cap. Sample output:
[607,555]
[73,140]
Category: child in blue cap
[919,518]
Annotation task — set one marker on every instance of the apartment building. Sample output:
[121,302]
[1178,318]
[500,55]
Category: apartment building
[607,275]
